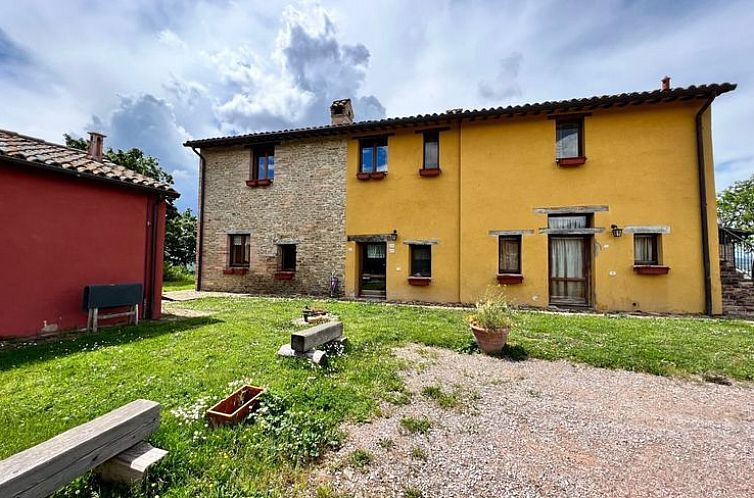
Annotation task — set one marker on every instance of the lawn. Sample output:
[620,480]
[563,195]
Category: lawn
[186,365]
[184,284]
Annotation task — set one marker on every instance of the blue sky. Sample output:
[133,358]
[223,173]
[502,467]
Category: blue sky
[153,74]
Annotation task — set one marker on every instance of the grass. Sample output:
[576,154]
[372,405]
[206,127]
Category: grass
[183,284]
[442,398]
[416,425]
[360,459]
[386,443]
[418,453]
[412,493]
[186,365]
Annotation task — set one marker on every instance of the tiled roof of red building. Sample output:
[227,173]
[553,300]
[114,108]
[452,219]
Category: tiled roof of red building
[38,152]
[562,106]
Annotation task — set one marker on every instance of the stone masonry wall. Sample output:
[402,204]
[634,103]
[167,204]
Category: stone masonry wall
[738,292]
[305,205]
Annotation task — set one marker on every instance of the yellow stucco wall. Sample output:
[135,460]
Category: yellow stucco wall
[641,163]
[419,208]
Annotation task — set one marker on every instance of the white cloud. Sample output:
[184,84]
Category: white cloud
[204,68]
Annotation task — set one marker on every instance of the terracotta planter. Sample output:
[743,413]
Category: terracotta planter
[419,281]
[362,176]
[251,183]
[430,171]
[651,269]
[490,341]
[509,278]
[236,407]
[569,162]
[377,176]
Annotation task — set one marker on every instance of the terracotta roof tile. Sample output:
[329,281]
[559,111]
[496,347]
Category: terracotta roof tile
[603,102]
[35,150]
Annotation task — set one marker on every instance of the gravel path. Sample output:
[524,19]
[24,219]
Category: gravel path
[538,428]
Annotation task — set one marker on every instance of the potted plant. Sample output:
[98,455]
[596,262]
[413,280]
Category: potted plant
[491,321]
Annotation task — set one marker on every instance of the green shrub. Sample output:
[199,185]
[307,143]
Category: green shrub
[173,273]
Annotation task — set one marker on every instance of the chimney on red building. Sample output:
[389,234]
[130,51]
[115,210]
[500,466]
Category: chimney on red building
[96,145]
[666,83]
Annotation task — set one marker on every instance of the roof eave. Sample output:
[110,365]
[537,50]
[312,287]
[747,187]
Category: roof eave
[573,105]
[171,193]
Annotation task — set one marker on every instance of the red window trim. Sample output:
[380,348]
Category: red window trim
[509,278]
[651,269]
[569,162]
[254,178]
[419,281]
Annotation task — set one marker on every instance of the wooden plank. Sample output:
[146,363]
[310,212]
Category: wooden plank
[316,336]
[130,466]
[42,469]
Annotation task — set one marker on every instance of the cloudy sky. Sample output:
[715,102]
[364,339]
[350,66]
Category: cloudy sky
[152,74]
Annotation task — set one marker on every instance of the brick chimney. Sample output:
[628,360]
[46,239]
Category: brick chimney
[96,145]
[341,112]
[666,83]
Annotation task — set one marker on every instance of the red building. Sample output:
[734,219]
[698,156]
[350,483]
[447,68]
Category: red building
[68,219]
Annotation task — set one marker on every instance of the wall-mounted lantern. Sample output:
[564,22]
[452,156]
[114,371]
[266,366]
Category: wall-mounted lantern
[617,231]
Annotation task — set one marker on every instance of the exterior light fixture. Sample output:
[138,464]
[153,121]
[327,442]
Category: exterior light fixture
[617,231]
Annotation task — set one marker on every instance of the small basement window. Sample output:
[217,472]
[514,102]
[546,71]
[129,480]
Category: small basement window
[646,249]
[239,250]
[509,254]
[287,257]
[421,260]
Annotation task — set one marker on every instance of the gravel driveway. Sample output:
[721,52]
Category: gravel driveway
[538,428]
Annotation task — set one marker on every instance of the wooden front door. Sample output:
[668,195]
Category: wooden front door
[570,260]
[372,281]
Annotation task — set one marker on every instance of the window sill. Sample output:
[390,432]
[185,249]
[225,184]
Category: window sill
[569,162]
[651,269]
[235,271]
[371,176]
[419,281]
[258,183]
[430,171]
[509,278]
[285,275]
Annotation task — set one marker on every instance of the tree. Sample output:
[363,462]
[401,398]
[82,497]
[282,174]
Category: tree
[735,206]
[180,228]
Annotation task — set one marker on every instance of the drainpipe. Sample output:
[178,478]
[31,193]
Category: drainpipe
[701,163]
[153,256]
[200,228]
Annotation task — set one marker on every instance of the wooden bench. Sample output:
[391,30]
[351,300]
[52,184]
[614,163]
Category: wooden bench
[112,445]
[303,344]
[112,296]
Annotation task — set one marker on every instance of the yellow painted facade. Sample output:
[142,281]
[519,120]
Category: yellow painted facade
[641,168]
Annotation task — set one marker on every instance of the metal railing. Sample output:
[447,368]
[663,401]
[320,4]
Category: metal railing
[738,250]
